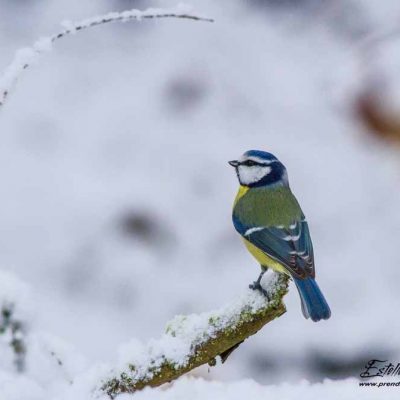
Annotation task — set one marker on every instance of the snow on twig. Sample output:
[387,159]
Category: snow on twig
[25,57]
[193,340]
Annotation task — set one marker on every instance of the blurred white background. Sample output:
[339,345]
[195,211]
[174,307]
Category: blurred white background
[116,194]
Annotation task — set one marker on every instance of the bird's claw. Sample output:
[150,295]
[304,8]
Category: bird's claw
[257,286]
[254,286]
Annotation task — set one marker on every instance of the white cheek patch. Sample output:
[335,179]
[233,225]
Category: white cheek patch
[253,174]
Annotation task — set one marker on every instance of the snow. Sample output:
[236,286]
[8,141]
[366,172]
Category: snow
[199,389]
[195,328]
[53,367]
[16,387]
[14,292]
[116,194]
[185,332]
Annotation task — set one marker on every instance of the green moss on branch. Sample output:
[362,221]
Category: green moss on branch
[206,336]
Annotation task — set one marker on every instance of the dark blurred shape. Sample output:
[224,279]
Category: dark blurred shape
[265,364]
[146,227]
[374,113]
[184,93]
[317,365]
[343,367]
[137,224]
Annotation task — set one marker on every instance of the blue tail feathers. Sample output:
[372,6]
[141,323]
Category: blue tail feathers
[313,303]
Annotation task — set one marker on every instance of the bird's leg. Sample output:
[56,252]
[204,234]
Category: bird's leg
[256,285]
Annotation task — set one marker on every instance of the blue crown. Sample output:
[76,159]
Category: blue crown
[260,154]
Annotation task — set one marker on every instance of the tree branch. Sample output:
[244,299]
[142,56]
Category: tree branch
[193,340]
[24,58]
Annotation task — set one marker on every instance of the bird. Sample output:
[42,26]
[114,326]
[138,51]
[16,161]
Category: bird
[274,229]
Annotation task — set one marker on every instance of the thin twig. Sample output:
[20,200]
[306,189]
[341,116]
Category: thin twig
[25,57]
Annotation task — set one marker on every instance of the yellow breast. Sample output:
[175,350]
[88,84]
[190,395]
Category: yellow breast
[258,254]
[263,258]
[242,191]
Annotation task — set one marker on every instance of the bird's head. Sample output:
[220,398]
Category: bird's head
[257,168]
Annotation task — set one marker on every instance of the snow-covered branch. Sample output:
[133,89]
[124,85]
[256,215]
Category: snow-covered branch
[24,58]
[194,340]
[188,342]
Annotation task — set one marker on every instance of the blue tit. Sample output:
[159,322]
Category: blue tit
[274,229]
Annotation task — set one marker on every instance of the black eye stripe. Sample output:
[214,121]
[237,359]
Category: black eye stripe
[251,163]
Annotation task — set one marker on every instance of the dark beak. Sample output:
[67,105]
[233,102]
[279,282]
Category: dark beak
[234,163]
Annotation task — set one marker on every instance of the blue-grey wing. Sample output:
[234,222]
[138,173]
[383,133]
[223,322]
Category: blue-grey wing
[291,246]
